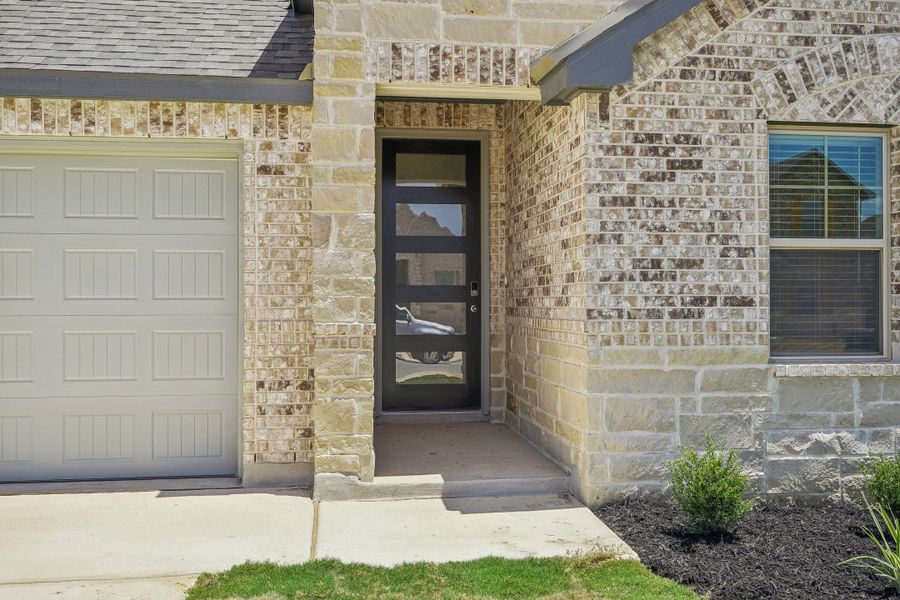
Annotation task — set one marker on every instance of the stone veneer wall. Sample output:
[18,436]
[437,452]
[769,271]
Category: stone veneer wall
[485,42]
[475,117]
[677,294]
[546,279]
[277,382]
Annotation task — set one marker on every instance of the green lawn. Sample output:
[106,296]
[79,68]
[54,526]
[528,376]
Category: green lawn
[552,578]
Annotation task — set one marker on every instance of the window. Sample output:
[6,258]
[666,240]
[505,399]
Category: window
[828,243]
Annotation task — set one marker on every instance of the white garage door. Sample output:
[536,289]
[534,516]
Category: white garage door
[118,312]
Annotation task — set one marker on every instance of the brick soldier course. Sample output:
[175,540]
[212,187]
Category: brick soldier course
[628,233]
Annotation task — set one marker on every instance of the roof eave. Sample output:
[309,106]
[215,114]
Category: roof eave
[146,86]
[601,56]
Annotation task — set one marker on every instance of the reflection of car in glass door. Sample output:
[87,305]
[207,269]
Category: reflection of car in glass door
[407,324]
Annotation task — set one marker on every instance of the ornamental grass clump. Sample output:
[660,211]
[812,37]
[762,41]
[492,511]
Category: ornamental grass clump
[886,536]
[710,488]
[883,483]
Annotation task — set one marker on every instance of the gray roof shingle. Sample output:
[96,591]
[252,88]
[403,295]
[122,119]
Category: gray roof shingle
[232,38]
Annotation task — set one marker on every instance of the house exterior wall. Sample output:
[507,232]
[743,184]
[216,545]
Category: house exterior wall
[461,42]
[277,382]
[678,296]
[546,279]
[483,42]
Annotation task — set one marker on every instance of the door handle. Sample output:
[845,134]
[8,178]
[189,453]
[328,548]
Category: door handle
[474,308]
[473,289]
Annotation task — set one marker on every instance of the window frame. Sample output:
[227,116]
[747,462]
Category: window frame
[882,244]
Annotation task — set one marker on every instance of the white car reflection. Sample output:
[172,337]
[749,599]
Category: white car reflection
[407,324]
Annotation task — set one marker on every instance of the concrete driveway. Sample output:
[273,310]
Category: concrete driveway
[151,545]
[143,544]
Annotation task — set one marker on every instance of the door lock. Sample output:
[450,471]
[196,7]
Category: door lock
[473,289]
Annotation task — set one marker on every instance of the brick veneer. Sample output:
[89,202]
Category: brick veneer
[277,382]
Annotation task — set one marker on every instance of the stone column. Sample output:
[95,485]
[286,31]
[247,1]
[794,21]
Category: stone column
[343,205]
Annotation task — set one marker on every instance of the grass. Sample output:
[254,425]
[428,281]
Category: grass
[547,578]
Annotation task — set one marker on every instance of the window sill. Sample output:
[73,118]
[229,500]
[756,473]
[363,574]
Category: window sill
[871,368]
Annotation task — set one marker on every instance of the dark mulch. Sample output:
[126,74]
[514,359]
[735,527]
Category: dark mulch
[783,553]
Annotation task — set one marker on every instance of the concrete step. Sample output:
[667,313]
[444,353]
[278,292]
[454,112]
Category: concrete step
[406,487]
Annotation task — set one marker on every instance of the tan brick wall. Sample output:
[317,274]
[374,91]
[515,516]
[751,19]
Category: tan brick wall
[277,381]
[547,345]
[678,265]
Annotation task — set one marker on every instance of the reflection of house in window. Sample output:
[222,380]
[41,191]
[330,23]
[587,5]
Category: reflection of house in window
[430,220]
[402,271]
[810,192]
[445,278]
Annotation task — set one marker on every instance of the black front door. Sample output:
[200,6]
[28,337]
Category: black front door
[431,275]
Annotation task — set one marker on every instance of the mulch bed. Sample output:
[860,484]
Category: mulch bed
[783,553]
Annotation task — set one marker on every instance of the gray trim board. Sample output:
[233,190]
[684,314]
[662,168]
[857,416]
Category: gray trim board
[137,86]
[601,56]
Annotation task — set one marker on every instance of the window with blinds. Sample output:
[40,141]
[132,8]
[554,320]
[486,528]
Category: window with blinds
[827,236]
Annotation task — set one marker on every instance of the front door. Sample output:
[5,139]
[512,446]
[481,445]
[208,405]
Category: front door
[431,275]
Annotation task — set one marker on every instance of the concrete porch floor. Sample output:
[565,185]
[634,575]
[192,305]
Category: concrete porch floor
[453,460]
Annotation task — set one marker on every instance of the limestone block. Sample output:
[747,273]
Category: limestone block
[739,380]
[476,8]
[731,431]
[360,445]
[871,388]
[401,22]
[638,467]
[339,416]
[796,421]
[815,394]
[741,403]
[816,443]
[345,464]
[334,309]
[880,414]
[803,476]
[355,231]
[617,443]
[334,364]
[334,144]
[345,66]
[639,414]
[321,230]
[749,355]
[891,390]
[344,263]
[641,381]
[547,33]
[474,30]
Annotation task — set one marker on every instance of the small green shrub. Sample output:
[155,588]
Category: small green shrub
[886,536]
[710,488]
[883,483]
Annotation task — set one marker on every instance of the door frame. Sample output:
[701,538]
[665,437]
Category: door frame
[483,137]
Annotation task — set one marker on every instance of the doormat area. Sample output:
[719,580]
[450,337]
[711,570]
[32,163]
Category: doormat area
[776,553]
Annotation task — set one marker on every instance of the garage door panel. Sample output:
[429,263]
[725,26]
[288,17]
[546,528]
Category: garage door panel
[118,275]
[133,195]
[117,437]
[82,356]
[119,341]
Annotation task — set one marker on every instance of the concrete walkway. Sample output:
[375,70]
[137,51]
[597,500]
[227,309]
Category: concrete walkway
[152,544]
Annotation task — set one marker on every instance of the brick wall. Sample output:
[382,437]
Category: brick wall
[277,382]
[546,279]
[678,261]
